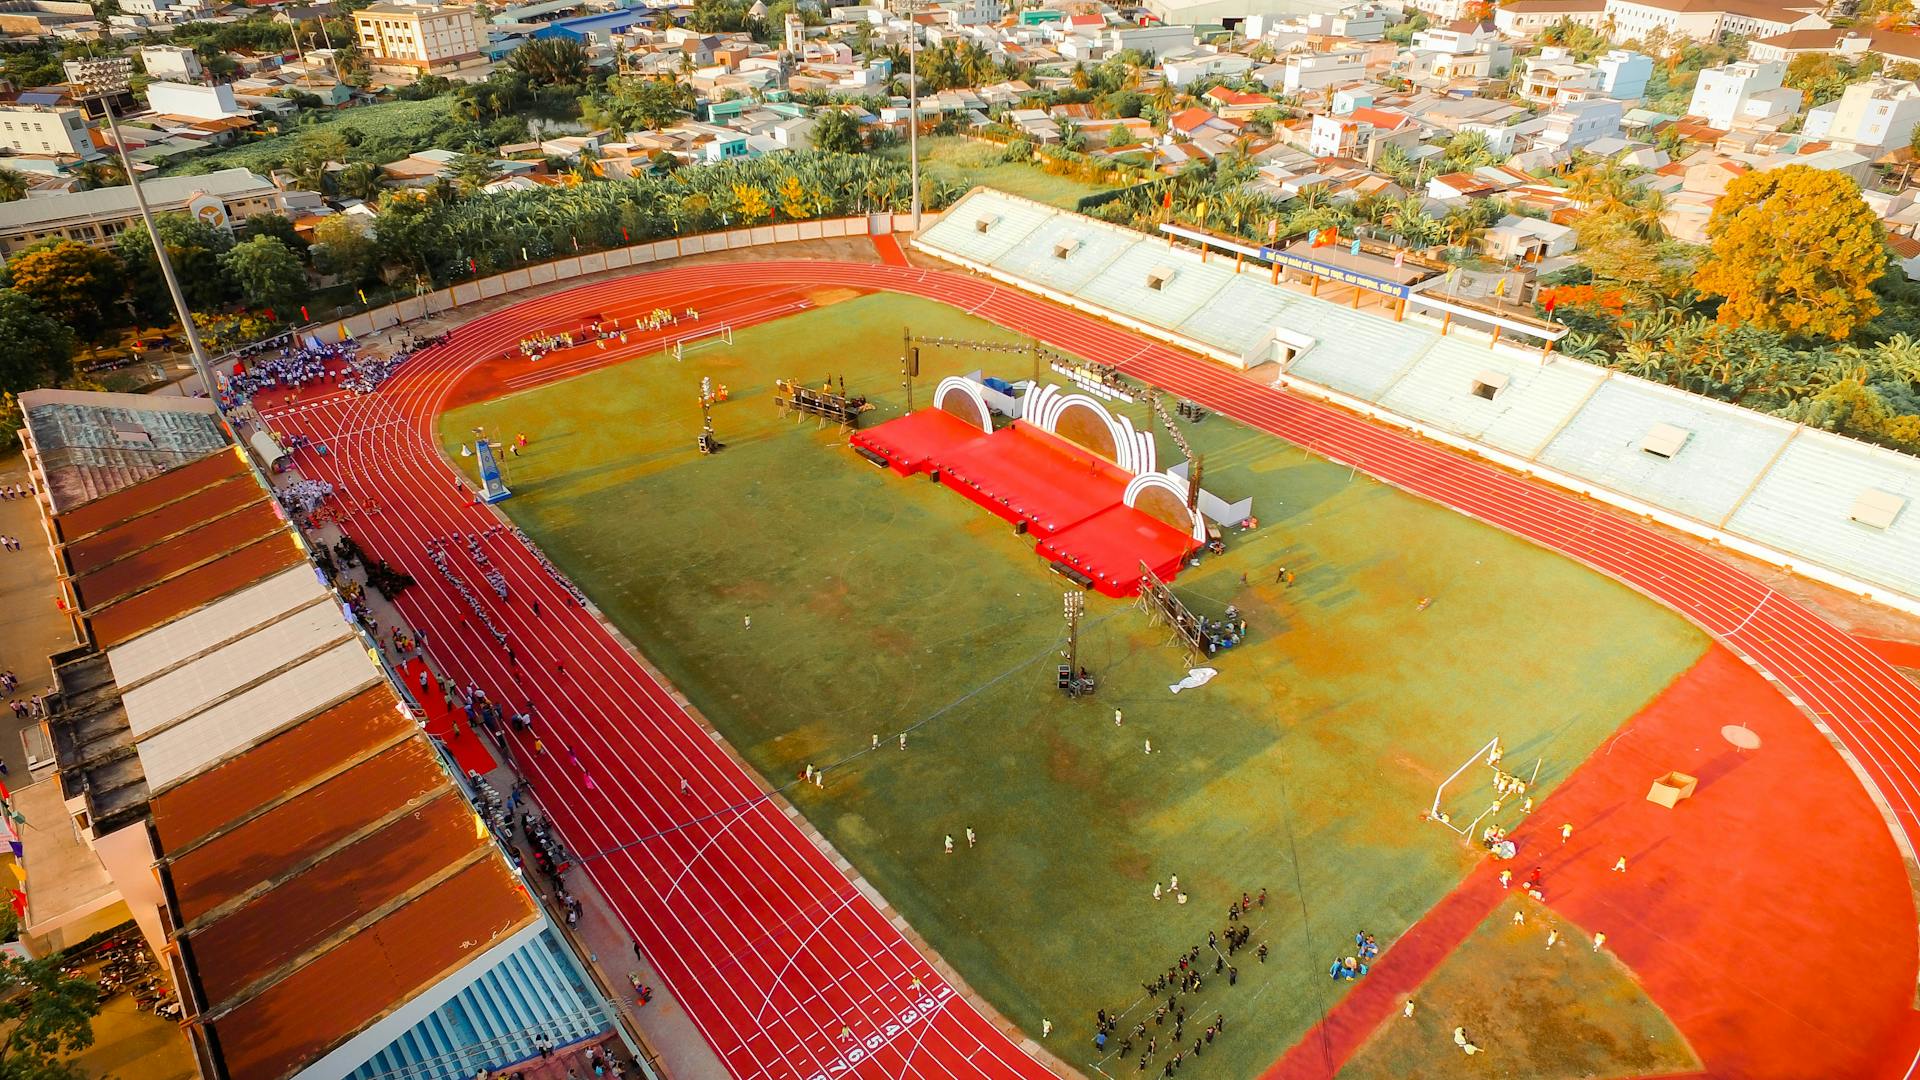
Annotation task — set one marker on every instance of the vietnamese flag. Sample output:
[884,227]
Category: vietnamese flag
[1550,301]
[1166,199]
[304,317]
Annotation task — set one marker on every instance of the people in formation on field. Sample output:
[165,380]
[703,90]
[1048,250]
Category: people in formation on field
[296,366]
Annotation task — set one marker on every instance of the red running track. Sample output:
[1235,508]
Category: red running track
[767,944]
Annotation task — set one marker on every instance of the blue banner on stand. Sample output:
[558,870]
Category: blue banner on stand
[492,488]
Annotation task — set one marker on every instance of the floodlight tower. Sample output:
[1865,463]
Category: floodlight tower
[1073,606]
[100,78]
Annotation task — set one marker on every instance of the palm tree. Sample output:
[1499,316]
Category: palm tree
[13,186]
[99,174]
[551,62]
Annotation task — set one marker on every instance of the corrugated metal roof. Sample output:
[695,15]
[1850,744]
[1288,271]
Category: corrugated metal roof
[111,201]
[352,984]
[280,768]
[322,864]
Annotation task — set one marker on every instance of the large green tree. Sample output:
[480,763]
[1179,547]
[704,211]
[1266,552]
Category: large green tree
[35,349]
[194,247]
[77,282]
[48,1016]
[837,132]
[266,271]
[342,246]
[550,62]
[1794,249]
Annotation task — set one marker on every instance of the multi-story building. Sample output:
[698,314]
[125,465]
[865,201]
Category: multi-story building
[1871,115]
[1575,124]
[429,39]
[97,217]
[1744,94]
[1701,20]
[47,131]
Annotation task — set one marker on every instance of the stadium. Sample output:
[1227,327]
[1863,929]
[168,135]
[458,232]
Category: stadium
[1038,647]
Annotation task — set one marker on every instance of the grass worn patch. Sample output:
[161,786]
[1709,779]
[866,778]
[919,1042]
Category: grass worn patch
[967,163]
[1535,1012]
[881,604]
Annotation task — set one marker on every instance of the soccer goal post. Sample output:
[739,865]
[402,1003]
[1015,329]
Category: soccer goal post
[719,335]
[1482,757]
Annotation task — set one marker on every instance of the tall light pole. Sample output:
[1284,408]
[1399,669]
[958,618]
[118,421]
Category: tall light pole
[100,78]
[909,8]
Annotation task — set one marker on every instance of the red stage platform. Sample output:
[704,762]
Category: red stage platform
[1066,496]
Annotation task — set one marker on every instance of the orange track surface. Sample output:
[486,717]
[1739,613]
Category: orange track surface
[1767,915]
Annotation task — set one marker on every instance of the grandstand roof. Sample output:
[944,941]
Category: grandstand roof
[1816,498]
[320,866]
[92,444]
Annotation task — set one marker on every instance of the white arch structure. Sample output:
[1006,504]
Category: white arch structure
[1046,406]
[972,406]
[1176,487]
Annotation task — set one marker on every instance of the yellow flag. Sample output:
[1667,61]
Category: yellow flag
[363,295]
[343,332]
[1501,288]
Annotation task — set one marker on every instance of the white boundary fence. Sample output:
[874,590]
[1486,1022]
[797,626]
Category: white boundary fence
[583,265]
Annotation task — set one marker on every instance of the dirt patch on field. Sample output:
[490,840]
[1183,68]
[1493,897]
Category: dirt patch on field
[823,297]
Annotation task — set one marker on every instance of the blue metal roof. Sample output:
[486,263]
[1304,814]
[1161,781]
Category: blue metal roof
[580,26]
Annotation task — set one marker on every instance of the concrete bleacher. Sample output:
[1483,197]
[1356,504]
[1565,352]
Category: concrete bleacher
[1123,285]
[1805,502]
[1726,448]
[1752,480]
[1240,316]
[1520,417]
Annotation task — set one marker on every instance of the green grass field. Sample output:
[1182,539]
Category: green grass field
[881,604]
[1534,1012]
[968,163]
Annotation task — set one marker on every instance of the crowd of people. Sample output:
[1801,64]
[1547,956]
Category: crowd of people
[303,497]
[296,365]
[437,551]
[598,331]
[1162,1028]
[1365,950]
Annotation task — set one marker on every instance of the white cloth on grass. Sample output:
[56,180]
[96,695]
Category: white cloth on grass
[1196,677]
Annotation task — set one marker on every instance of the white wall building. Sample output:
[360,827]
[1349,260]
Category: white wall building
[1315,71]
[194,100]
[1576,123]
[1624,74]
[1744,94]
[1875,114]
[171,62]
[1149,41]
[45,130]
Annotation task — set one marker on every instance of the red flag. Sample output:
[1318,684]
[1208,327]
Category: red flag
[471,268]
[1550,301]
[1166,199]
[623,234]
[304,317]
[271,317]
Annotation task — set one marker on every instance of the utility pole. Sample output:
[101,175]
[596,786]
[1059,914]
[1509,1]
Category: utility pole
[101,78]
[910,8]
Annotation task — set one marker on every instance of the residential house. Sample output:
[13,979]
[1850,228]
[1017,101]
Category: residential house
[1746,94]
[1149,41]
[1575,124]
[1196,123]
[1873,115]
[1236,104]
[1516,238]
[1456,186]
[1362,134]
[1553,76]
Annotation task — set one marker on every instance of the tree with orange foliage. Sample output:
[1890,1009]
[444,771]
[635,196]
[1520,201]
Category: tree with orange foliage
[1795,250]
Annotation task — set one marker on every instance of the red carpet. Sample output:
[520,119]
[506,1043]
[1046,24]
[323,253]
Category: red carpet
[450,726]
[1743,910]
[889,249]
[1068,497]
